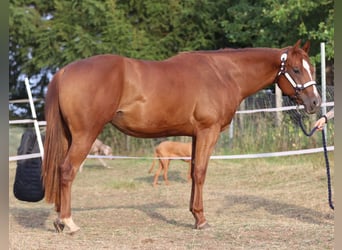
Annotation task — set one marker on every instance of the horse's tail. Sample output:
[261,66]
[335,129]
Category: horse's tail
[153,162]
[55,143]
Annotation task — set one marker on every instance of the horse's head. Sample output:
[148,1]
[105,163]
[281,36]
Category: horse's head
[295,77]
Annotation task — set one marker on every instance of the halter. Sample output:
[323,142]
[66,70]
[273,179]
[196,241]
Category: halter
[298,87]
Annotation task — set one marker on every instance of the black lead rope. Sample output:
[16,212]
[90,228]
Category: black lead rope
[328,170]
[325,157]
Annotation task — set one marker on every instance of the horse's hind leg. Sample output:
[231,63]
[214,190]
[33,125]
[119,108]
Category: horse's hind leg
[78,151]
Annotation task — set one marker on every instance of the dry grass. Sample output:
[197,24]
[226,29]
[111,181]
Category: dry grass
[278,203]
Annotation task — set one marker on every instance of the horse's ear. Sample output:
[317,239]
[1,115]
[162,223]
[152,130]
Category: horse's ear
[306,46]
[297,44]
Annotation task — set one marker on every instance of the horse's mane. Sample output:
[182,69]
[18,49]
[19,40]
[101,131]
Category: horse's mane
[226,50]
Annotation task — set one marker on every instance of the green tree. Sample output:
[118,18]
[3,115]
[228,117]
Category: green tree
[274,23]
[313,20]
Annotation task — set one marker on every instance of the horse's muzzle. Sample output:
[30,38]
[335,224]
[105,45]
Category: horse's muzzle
[312,105]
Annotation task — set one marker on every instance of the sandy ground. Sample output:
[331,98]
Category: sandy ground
[249,204]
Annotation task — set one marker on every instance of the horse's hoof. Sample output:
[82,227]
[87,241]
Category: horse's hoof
[59,226]
[204,225]
[74,231]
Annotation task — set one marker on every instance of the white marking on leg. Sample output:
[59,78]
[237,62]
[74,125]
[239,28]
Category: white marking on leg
[70,223]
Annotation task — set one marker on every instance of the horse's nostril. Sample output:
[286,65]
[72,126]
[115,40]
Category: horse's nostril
[316,102]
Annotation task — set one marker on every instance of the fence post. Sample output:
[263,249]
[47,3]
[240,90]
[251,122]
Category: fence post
[231,129]
[34,116]
[279,104]
[323,84]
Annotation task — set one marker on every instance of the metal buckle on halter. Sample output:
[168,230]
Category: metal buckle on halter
[283,59]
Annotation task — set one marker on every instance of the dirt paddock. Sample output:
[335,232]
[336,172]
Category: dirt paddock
[250,204]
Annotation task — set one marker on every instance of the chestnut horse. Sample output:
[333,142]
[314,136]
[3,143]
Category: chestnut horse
[192,94]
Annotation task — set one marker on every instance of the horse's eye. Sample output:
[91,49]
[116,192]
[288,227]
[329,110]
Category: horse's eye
[296,70]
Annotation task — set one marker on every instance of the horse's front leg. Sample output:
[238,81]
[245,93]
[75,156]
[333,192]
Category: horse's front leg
[202,146]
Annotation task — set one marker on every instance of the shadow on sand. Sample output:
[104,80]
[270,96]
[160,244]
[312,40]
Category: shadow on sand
[31,217]
[274,207]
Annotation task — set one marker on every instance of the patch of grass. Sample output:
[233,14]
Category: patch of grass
[122,184]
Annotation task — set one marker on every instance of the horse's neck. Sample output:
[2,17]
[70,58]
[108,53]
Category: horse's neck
[255,68]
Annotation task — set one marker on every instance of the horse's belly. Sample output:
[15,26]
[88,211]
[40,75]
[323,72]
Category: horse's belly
[139,124]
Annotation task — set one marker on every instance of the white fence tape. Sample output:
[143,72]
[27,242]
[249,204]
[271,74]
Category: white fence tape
[225,157]
[25,121]
[24,157]
[213,157]
[327,104]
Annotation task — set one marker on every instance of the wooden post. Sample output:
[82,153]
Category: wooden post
[279,104]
